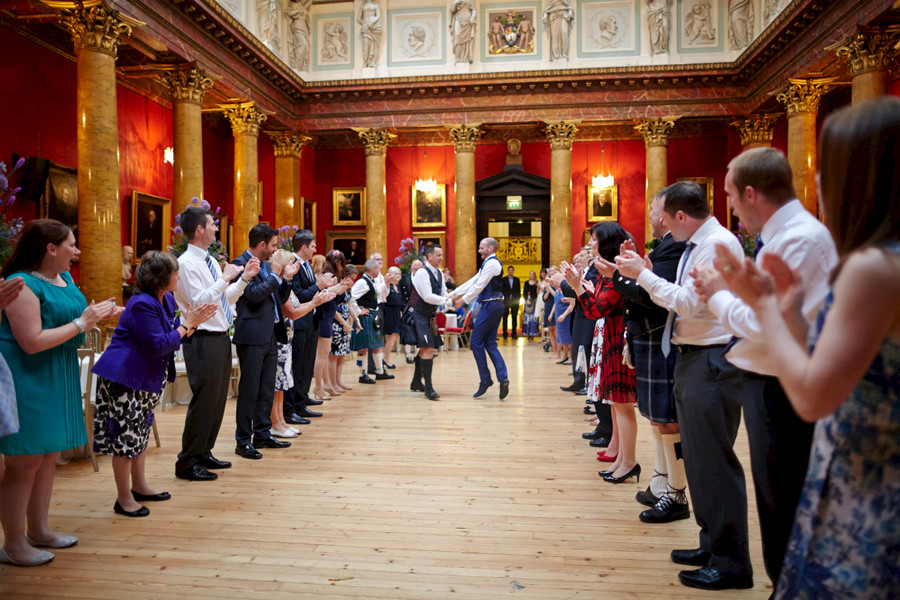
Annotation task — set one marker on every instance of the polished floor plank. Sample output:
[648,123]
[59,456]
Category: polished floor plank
[387,496]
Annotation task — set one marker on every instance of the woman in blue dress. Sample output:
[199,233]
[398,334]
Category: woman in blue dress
[562,310]
[846,541]
[39,337]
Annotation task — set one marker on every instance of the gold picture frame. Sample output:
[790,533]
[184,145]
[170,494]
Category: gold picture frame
[308,215]
[602,203]
[343,241]
[429,209]
[423,238]
[348,206]
[709,186]
[151,220]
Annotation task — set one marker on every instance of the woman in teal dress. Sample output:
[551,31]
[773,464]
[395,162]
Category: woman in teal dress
[39,337]
[9,415]
[845,542]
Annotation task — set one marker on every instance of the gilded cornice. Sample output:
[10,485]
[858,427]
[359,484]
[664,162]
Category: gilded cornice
[289,143]
[187,83]
[375,140]
[803,95]
[869,49]
[96,27]
[756,128]
[656,131]
[465,137]
[245,117]
[561,134]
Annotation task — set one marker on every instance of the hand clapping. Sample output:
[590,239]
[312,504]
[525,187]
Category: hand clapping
[252,268]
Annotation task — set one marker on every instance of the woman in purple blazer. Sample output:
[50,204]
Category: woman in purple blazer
[132,372]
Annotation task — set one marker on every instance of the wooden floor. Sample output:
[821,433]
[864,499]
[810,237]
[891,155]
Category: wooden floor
[387,496]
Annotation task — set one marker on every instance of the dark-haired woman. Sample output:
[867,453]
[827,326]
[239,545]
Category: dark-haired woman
[336,264]
[39,337]
[132,372]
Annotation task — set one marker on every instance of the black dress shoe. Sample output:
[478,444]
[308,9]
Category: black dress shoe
[708,578]
[570,388]
[366,379]
[141,512]
[417,386]
[592,435]
[581,392]
[309,414]
[211,462]
[248,451]
[270,442]
[482,389]
[695,557]
[196,473]
[504,389]
[314,402]
[666,511]
[380,376]
[431,395]
[295,419]
[600,442]
[647,498]
[410,360]
[160,497]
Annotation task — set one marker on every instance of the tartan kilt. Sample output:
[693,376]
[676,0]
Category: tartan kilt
[654,374]
[367,337]
[425,339]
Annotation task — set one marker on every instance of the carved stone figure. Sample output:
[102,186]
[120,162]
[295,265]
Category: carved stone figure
[298,14]
[771,8]
[559,17]
[698,28]
[496,34]
[371,31]
[267,20]
[526,34]
[659,18]
[335,45]
[463,22]
[740,23]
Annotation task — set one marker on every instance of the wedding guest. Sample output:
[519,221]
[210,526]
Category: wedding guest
[9,417]
[344,318]
[547,293]
[132,372]
[39,338]
[393,308]
[530,315]
[336,264]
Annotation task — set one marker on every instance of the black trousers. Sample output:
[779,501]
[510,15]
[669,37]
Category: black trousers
[511,311]
[208,363]
[303,362]
[707,397]
[256,391]
[780,443]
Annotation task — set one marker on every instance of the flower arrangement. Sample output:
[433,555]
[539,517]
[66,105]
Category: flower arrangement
[748,241]
[180,241]
[8,229]
[410,249]
[285,235]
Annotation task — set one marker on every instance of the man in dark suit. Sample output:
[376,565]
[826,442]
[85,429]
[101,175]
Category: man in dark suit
[406,290]
[258,328]
[512,291]
[306,330]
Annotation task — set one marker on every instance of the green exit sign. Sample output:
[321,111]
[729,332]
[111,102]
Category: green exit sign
[514,203]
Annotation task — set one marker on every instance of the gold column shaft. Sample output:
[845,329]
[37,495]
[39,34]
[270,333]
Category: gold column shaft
[869,85]
[187,133]
[465,238]
[246,189]
[376,142]
[287,191]
[656,140]
[561,135]
[802,157]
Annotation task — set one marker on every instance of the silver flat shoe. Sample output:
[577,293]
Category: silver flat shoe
[41,559]
[63,541]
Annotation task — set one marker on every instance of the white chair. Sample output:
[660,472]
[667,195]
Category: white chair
[86,359]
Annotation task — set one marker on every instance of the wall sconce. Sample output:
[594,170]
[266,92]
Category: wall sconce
[169,156]
[603,181]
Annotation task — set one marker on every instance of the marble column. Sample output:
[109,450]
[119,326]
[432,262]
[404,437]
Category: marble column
[96,32]
[187,84]
[465,138]
[801,98]
[376,142]
[870,51]
[288,148]
[756,131]
[245,119]
[560,135]
[656,141]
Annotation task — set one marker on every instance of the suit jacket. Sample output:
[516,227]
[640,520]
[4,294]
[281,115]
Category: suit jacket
[141,353]
[256,308]
[305,288]
[641,314]
[406,286]
[582,325]
[512,293]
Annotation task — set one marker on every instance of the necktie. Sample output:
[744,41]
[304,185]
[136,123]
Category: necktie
[670,320]
[215,276]
[308,270]
[265,273]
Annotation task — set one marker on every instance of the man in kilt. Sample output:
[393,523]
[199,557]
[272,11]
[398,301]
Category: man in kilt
[365,292]
[654,374]
[431,289]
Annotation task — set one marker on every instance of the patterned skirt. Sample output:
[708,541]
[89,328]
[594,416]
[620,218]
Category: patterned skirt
[367,338]
[611,381]
[123,419]
[284,371]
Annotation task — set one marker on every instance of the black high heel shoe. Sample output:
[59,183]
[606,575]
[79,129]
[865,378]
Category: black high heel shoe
[605,474]
[634,472]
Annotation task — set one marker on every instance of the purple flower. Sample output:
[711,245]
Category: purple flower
[398,261]
[218,209]
[204,205]
[178,230]
[216,221]
[195,200]
[4,183]
[295,228]
[178,218]
[10,201]
[19,163]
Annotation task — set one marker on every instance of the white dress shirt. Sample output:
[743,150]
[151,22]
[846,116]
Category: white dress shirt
[361,288]
[197,286]
[695,323]
[470,289]
[422,283]
[806,246]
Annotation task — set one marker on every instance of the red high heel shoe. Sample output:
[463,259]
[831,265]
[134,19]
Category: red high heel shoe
[603,457]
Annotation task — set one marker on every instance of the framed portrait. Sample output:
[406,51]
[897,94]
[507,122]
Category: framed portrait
[349,206]
[433,237]
[307,215]
[603,203]
[351,243]
[709,187]
[150,219]
[60,199]
[587,236]
[429,209]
